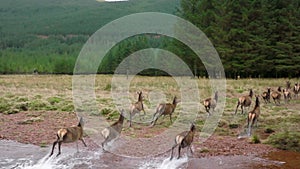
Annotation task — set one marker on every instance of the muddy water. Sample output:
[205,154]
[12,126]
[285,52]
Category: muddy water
[15,155]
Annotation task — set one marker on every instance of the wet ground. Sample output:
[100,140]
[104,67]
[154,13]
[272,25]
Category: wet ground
[16,155]
[30,135]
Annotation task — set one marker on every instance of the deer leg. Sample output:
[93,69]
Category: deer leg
[191,149]
[155,119]
[130,119]
[77,146]
[248,120]
[170,117]
[179,149]
[82,140]
[102,144]
[242,107]
[237,106]
[274,101]
[253,121]
[206,109]
[210,110]
[172,151]
[59,145]
[54,143]
[256,122]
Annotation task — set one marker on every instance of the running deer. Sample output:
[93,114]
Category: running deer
[288,85]
[266,95]
[165,109]
[286,95]
[113,131]
[276,95]
[253,115]
[137,107]
[183,140]
[244,101]
[210,103]
[68,135]
[296,90]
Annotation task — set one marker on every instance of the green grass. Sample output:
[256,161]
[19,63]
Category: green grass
[47,36]
[285,140]
[255,139]
[280,122]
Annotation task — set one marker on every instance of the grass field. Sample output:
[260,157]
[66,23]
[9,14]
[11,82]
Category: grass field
[278,125]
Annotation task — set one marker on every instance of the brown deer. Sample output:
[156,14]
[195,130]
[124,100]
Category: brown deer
[276,95]
[210,103]
[288,85]
[244,101]
[183,140]
[296,90]
[253,115]
[286,95]
[68,135]
[113,131]
[266,95]
[165,109]
[137,107]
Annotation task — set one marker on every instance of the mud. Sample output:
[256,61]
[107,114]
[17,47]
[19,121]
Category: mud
[27,146]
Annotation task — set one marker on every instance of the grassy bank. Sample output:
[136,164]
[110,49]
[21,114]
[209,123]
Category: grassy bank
[278,125]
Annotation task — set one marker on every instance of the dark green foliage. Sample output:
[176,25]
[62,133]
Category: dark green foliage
[286,140]
[233,126]
[4,105]
[47,36]
[253,38]
[268,130]
[257,38]
[54,100]
[255,139]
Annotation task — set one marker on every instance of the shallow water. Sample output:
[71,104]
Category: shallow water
[25,156]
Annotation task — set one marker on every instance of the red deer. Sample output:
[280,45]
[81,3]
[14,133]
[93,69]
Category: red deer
[113,131]
[68,135]
[210,103]
[276,95]
[244,101]
[137,107]
[288,85]
[253,115]
[266,95]
[183,140]
[296,90]
[165,109]
[286,95]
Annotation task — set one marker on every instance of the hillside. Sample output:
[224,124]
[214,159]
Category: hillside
[47,35]
[253,38]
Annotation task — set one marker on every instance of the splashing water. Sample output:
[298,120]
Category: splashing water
[165,164]
[45,163]
[64,161]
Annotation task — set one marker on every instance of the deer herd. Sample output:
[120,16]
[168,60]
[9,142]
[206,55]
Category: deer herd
[183,139]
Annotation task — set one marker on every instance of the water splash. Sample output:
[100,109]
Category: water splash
[45,163]
[64,161]
[165,164]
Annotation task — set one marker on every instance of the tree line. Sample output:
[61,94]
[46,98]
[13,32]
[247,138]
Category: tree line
[257,38]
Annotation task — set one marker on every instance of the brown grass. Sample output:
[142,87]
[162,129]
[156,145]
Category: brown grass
[17,89]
